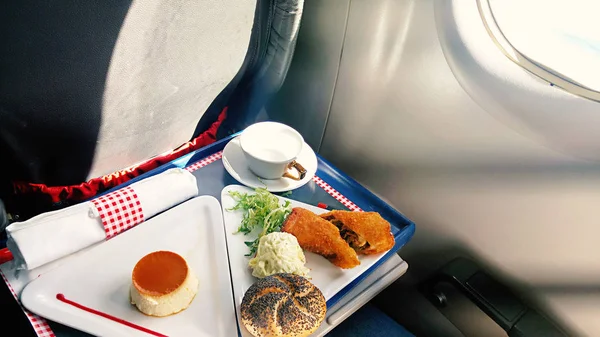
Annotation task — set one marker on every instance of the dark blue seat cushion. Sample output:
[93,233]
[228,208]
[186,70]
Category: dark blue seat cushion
[369,321]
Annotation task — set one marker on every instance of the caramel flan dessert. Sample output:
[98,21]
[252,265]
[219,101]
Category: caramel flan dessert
[162,284]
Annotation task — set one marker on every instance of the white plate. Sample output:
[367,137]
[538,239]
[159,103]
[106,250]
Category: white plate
[235,164]
[326,276]
[101,278]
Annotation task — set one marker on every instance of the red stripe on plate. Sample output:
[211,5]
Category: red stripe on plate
[62,298]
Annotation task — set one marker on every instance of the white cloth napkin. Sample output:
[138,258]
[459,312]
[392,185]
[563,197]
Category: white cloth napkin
[53,235]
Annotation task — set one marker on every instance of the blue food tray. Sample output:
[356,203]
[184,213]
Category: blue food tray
[213,178]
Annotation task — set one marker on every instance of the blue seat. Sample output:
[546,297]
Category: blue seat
[369,321]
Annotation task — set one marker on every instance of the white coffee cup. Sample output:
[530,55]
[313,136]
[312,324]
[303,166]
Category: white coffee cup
[271,150]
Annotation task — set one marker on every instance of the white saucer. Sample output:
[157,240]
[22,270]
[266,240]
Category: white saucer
[235,164]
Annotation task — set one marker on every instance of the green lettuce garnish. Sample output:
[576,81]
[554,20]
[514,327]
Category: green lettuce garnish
[261,210]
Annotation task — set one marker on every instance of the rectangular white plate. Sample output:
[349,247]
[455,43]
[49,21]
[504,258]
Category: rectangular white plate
[326,276]
[101,278]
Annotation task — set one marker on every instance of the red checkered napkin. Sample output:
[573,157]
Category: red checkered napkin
[337,195]
[205,161]
[41,327]
[119,211]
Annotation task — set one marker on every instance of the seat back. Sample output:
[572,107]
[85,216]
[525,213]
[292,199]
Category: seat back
[89,88]
[94,87]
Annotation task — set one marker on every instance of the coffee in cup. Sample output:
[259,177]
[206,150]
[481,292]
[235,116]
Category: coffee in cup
[271,150]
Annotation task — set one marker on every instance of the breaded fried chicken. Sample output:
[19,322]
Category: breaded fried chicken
[320,236]
[366,232]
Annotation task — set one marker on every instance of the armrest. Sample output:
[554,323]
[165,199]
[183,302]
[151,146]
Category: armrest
[492,297]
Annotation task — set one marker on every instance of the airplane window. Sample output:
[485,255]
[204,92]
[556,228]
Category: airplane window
[557,40]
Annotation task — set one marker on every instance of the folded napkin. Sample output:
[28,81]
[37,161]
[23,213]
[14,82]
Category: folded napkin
[53,235]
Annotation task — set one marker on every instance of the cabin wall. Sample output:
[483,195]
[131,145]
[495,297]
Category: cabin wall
[381,101]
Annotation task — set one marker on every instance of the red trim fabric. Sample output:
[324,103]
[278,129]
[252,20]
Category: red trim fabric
[89,189]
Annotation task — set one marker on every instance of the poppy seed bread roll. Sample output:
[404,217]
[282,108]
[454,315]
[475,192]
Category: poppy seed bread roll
[283,305]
